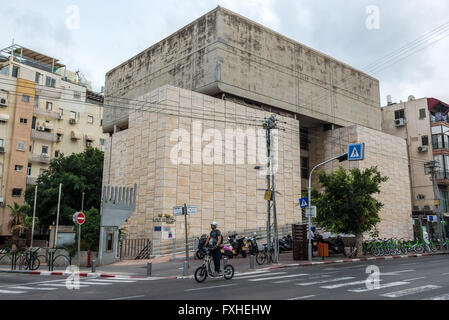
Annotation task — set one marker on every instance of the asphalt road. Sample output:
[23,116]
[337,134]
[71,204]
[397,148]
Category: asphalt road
[399,279]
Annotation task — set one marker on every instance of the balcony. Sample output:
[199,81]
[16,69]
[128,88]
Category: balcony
[40,158]
[31,181]
[47,114]
[48,92]
[45,136]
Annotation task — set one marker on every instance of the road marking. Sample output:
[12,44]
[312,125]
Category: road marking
[31,288]
[206,288]
[445,274]
[11,292]
[339,285]
[324,281]
[118,281]
[408,264]
[258,275]
[413,279]
[280,277]
[407,292]
[302,298]
[60,285]
[387,285]
[127,298]
[250,273]
[395,273]
[441,297]
[96,283]
[309,278]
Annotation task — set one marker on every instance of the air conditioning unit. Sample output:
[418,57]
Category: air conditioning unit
[427,208]
[3,102]
[423,149]
[41,128]
[2,149]
[399,122]
[45,155]
[417,208]
[72,121]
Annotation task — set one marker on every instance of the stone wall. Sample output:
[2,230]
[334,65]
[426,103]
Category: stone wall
[389,154]
[223,52]
[227,193]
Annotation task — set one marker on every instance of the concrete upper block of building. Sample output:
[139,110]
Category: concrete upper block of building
[223,54]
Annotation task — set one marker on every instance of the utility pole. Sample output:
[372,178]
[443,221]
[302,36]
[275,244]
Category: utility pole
[269,125]
[34,216]
[431,168]
[57,216]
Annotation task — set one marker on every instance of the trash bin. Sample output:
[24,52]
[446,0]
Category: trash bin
[323,250]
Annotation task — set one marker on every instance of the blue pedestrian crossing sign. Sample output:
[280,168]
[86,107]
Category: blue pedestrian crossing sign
[304,202]
[356,152]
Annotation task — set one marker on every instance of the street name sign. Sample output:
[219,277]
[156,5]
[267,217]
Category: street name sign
[177,211]
[311,212]
[356,152]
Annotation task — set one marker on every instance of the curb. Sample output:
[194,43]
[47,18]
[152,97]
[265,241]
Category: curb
[80,274]
[308,264]
[280,266]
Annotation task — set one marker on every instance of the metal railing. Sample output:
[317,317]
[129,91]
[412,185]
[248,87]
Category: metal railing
[176,247]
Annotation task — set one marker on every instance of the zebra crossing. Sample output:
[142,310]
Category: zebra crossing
[386,288]
[61,284]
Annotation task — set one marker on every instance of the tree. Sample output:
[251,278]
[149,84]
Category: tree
[90,231]
[17,217]
[78,173]
[347,205]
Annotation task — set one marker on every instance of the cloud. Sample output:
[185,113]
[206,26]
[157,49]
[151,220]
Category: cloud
[110,33]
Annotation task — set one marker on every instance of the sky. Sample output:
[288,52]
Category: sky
[96,36]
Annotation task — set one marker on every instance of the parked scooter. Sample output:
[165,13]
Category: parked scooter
[336,246]
[238,245]
[285,244]
[200,253]
[251,243]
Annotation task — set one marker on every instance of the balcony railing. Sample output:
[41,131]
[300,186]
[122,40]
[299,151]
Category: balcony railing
[41,135]
[48,114]
[442,175]
[39,158]
[48,92]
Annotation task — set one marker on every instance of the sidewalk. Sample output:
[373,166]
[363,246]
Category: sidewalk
[163,268]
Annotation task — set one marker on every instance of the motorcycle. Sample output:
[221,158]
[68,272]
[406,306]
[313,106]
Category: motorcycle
[238,245]
[227,251]
[286,244]
[201,252]
[251,243]
[336,246]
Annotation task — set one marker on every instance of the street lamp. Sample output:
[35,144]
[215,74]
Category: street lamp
[340,158]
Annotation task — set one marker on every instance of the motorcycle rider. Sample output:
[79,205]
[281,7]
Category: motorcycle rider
[216,239]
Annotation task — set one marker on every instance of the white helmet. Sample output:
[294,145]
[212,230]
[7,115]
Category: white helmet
[213,223]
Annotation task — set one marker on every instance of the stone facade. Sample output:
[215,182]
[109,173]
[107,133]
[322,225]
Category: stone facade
[224,52]
[226,193]
[389,154]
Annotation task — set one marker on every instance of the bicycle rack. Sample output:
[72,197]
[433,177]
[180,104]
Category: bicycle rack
[52,257]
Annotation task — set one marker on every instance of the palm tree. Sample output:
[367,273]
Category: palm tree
[17,219]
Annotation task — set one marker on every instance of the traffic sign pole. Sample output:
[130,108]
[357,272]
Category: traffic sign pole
[185,227]
[310,203]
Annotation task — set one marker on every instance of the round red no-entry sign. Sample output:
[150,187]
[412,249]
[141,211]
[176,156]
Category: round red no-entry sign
[80,218]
